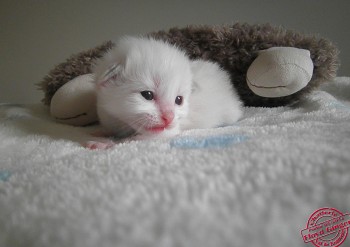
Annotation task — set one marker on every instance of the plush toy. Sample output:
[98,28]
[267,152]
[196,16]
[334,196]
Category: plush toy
[269,66]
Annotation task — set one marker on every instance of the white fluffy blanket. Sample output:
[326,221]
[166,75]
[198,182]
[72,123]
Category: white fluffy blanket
[251,184]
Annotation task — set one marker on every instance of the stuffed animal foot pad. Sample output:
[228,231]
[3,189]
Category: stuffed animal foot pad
[75,102]
[280,71]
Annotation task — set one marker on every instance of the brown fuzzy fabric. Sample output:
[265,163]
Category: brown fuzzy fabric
[234,47]
[77,64]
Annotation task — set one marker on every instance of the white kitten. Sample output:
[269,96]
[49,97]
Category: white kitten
[151,88]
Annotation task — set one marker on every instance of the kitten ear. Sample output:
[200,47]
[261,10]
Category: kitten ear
[111,75]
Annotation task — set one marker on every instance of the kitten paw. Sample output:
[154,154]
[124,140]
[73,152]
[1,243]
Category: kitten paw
[99,144]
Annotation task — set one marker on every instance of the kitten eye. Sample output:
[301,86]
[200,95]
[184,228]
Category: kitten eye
[148,95]
[178,100]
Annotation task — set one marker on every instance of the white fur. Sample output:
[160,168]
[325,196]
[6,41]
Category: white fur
[120,106]
[143,64]
[213,101]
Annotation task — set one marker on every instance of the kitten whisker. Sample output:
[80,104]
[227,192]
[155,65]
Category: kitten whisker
[139,123]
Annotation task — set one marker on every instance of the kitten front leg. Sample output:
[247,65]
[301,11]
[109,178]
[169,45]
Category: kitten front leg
[99,140]
[100,144]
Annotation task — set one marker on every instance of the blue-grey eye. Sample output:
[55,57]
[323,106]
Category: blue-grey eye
[178,100]
[148,95]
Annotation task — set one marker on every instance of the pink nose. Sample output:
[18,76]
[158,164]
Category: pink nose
[168,117]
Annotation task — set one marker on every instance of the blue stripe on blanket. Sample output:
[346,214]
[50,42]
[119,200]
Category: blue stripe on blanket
[4,175]
[207,142]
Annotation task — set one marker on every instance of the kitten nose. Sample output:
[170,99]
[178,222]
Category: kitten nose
[168,117]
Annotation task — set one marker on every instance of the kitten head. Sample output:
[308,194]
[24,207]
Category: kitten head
[143,85]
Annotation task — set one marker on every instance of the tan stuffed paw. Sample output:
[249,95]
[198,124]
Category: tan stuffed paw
[75,102]
[280,71]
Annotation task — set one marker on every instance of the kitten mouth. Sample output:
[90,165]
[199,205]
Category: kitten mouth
[157,129]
